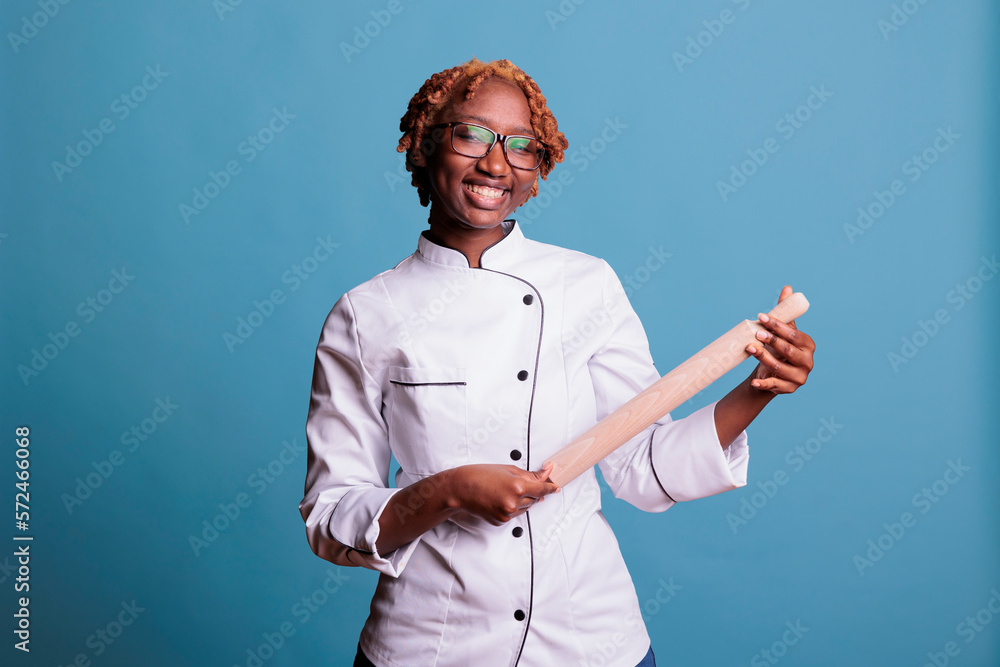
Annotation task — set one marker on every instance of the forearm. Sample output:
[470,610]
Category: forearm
[495,493]
[735,411]
[415,510]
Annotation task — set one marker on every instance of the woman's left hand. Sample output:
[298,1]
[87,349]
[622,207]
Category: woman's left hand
[785,354]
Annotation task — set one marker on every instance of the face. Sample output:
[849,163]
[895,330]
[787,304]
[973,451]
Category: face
[477,194]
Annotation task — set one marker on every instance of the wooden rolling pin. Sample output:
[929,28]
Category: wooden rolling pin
[670,391]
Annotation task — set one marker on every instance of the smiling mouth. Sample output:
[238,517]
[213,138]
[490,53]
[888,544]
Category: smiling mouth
[485,191]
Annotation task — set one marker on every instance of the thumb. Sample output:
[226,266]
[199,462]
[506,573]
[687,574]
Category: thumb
[546,470]
[543,476]
[786,292]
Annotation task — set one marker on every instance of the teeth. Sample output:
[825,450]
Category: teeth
[484,191]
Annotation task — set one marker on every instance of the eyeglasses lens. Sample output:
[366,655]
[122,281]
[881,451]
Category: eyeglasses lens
[476,141]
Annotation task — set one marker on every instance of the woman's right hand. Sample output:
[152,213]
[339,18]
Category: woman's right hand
[497,493]
[492,492]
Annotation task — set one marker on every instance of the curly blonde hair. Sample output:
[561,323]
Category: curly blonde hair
[438,90]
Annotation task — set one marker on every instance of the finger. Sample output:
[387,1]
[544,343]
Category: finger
[540,489]
[782,370]
[788,331]
[782,349]
[786,292]
[775,385]
[545,471]
[777,368]
[543,477]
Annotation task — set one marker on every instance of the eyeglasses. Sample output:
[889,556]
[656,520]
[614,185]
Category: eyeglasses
[477,141]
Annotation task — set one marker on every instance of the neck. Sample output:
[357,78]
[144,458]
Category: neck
[469,241]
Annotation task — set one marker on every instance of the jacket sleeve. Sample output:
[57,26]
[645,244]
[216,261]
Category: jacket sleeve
[673,460]
[346,487]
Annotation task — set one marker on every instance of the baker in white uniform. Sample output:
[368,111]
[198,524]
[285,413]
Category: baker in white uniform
[473,361]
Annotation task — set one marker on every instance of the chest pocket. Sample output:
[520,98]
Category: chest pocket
[427,418]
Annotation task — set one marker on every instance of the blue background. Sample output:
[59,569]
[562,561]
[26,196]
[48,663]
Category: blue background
[332,172]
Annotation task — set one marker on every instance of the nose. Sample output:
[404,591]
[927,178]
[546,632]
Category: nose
[495,162]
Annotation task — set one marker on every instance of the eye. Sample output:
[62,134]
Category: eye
[473,134]
[525,145]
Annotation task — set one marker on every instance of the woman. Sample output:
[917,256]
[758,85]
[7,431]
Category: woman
[474,361]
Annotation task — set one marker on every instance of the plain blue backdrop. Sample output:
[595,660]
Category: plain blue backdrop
[751,138]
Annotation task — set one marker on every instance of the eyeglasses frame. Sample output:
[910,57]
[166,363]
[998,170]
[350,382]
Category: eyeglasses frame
[502,138]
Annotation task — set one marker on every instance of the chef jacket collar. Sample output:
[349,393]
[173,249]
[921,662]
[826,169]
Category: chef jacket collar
[508,246]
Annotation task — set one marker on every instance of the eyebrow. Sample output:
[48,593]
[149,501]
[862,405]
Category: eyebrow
[520,129]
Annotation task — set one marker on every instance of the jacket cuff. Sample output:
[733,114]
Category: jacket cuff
[357,514]
[689,461]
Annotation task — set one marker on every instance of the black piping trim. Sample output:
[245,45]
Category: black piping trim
[350,549]
[653,468]
[500,240]
[527,456]
[347,546]
[531,405]
[538,353]
[493,244]
[531,591]
[424,384]
[441,245]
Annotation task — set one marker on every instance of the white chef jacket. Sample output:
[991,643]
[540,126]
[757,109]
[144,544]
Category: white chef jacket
[444,365]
